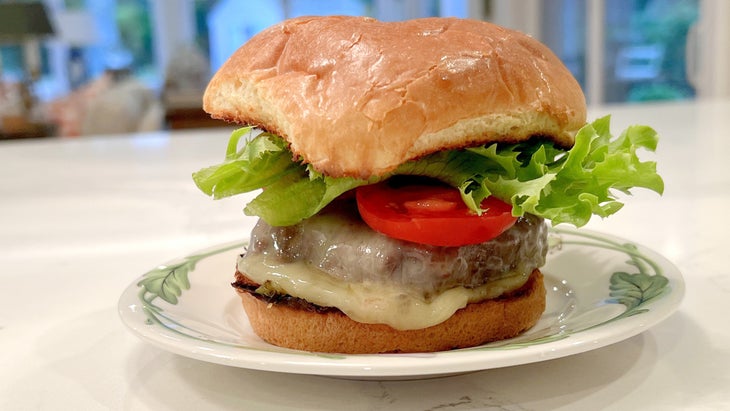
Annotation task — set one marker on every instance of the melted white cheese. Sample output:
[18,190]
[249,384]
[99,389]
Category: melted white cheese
[370,302]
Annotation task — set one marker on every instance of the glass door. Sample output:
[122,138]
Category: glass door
[623,50]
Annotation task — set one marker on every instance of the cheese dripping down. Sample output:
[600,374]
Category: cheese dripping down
[400,307]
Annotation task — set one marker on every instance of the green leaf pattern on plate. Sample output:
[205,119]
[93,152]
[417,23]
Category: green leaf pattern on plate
[168,282]
[634,290]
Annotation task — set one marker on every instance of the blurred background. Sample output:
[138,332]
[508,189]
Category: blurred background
[81,67]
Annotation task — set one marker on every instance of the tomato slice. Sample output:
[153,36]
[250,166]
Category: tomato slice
[431,214]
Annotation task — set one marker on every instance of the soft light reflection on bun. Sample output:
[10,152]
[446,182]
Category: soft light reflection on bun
[355,96]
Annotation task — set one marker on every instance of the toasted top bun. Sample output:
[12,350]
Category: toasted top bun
[357,97]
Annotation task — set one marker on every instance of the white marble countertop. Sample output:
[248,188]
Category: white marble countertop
[82,219]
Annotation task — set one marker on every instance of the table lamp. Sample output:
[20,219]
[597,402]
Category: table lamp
[26,24]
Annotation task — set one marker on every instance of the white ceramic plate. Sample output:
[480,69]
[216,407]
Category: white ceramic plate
[601,290]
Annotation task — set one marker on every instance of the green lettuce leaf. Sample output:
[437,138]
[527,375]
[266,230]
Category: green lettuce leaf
[262,161]
[535,177]
[297,196]
[293,190]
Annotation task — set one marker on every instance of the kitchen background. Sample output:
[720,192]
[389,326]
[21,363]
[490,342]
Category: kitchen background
[68,66]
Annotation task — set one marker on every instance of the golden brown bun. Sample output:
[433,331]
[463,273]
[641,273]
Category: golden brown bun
[334,332]
[356,96]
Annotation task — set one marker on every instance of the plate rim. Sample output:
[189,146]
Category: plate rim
[399,365]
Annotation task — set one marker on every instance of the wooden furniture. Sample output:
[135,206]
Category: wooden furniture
[190,117]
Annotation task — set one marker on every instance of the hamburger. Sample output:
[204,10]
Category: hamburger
[405,175]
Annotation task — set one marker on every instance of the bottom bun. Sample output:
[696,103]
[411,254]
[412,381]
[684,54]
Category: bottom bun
[334,332]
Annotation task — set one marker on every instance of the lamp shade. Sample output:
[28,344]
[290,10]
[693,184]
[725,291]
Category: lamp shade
[23,20]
